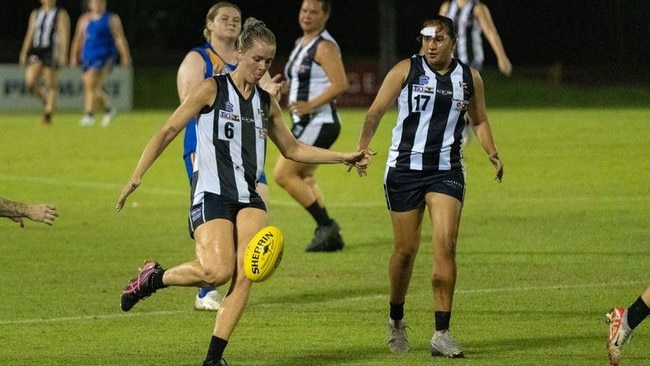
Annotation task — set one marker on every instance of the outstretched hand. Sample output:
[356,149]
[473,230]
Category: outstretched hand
[43,212]
[353,158]
[498,166]
[126,191]
[362,164]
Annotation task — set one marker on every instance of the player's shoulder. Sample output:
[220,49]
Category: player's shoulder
[85,17]
[113,17]
[480,9]
[328,45]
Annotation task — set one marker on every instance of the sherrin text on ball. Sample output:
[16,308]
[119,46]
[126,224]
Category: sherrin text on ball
[263,254]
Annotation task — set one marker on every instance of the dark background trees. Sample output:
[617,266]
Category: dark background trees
[600,38]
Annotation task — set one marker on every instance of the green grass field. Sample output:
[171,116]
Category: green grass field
[542,256]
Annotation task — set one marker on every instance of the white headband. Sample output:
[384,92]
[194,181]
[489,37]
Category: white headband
[428,31]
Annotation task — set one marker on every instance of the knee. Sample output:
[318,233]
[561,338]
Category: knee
[404,257]
[32,86]
[217,276]
[310,181]
[51,85]
[280,177]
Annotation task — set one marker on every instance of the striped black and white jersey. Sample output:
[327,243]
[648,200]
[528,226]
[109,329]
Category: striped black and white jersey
[431,118]
[470,39]
[231,143]
[45,29]
[307,79]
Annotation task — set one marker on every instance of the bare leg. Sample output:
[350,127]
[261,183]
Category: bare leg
[445,219]
[50,77]
[89,82]
[32,77]
[233,305]
[215,255]
[406,233]
[298,180]
[94,95]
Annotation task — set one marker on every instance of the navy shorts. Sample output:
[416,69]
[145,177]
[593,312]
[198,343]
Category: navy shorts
[215,206]
[405,189]
[322,136]
[44,55]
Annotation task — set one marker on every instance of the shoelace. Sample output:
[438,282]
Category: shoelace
[134,286]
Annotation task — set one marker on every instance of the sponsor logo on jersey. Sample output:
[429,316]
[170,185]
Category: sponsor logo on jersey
[302,69]
[461,104]
[228,116]
[262,133]
[424,89]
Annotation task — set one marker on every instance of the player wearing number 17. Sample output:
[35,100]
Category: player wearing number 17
[235,116]
[425,169]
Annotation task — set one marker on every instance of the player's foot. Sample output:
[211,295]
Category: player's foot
[109,116]
[211,301]
[336,243]
[442,344]
[87,120]
[398,341]
[221,362]
[46,120]
[619,333]
[140,287]
[327,238]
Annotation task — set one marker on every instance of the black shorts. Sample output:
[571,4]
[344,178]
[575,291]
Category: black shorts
[215,206]
[322,136]
[43,55]
[405,189]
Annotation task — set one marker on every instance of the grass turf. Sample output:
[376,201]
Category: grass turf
[541,256]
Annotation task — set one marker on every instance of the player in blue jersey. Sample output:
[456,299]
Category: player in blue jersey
[235,118]
[425,169]
[44,51]
[217,55]
[99,40]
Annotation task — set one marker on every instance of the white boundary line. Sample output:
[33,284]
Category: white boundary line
[87,317]
[284,203]
[160,191]
[335,300]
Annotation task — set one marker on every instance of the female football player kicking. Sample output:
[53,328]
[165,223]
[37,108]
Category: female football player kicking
[235,117]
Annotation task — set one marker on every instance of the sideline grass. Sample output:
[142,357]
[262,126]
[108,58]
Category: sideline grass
[542,256]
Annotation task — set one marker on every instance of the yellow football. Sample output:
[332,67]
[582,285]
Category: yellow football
[263,254]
